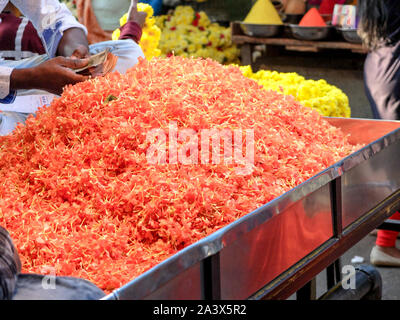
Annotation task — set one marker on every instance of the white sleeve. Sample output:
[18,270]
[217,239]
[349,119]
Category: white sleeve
[5,73]
[50,18]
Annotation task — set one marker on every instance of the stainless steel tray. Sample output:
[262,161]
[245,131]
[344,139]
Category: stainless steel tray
[261,30]
[350,35]
[310,33]
[243,257]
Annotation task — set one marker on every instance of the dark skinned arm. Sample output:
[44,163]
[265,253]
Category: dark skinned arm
[51,76]
[73,44]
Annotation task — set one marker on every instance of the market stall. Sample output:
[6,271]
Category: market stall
[322,32]
[247,44]
[113,182]
[119,216]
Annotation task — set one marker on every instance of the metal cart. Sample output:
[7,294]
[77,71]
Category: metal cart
[281,247]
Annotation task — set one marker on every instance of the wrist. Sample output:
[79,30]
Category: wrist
[131,30]
[22,79]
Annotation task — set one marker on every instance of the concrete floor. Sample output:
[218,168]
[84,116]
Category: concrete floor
[344,70]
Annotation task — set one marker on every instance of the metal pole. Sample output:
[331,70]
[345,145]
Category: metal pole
[308,292]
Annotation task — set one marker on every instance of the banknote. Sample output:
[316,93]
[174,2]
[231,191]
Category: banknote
[99,64]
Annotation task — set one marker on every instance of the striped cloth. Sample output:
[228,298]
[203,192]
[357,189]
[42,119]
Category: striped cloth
[18,38]
[10,265]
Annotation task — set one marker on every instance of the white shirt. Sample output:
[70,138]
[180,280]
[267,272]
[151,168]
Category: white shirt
[51,19]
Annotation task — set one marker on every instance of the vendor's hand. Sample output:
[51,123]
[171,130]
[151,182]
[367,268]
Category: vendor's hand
[136,16]
[52,75]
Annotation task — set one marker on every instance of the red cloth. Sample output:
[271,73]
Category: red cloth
[387,238]
[30,42]
[131,30]
[327,6]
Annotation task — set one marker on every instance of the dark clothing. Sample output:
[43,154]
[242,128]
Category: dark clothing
[10,266]
[382,70]
[382,81]
[393,29]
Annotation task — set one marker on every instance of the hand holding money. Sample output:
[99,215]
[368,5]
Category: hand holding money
[99,64]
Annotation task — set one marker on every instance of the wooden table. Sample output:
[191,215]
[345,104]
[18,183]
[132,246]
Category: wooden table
[247,43]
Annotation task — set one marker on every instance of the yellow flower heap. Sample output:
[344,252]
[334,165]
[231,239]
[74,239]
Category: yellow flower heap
[328,100]
[191,34]
[151,34]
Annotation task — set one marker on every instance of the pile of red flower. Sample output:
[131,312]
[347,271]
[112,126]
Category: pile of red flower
[77,190]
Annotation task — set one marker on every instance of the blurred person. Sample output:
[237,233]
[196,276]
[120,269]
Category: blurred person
[379,28]
[101,17]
